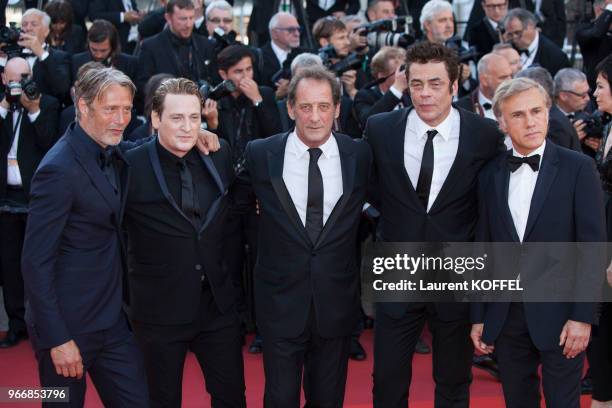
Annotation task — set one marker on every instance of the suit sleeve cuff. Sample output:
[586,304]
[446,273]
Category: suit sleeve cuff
[121,17]
[33,116]
[3,112]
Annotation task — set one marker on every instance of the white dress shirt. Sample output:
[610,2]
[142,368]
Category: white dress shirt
[494,24]
[488,113]
[520,191]
[326,4]
[445,145]
[462,10]
[527,61]
[295,174]
[281,55]
[13,175]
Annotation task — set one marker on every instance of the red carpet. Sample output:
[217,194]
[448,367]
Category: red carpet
[18,368]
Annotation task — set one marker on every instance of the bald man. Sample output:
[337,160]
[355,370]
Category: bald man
[284,37]
[511,55]
[28,128]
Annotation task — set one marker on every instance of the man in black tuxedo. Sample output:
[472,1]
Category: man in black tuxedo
[534,47]
[181,299]
[316,9]
[485,34]
[28,129]
[104,47]
[73,254]
[123,14]
[595,38]
[311,185]
[177,50]
[539,192]
[285,36]
[422,199]
[50,67]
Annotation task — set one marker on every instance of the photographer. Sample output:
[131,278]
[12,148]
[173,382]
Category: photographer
[176,50]
[284,37]
[28,128]
[103,46]
[219,14]
[64,35]
[390,91]
[595,38]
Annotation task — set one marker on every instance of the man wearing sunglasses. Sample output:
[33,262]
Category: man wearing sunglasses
[284,37]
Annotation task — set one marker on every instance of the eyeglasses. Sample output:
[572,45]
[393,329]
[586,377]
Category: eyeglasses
[578,94]
[514,34]
[217,20]
[500,6]
[290,30]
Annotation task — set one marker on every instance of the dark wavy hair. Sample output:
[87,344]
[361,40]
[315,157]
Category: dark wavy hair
[605,69]
[425,51]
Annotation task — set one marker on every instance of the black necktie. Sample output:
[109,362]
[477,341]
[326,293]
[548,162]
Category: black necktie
[427,167]
[487,106]
[314,207]
[188,194]
[107,158]
[515,162]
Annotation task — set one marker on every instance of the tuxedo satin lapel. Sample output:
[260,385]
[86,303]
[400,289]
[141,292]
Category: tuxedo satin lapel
[348,163]
[161,180]
[502,184]
[546,177]
[276,159]
[214,208]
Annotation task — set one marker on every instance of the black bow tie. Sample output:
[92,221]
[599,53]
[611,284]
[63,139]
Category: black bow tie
[515,162]
[524,52]
[487,106]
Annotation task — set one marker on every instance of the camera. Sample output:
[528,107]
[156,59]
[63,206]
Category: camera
[594,122]
[396,32]
[215,93]
[9,36]
[465,54]
[285,71]
[223,39]
[352,61]
[26,86]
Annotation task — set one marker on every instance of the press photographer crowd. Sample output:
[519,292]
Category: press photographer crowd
[170,185]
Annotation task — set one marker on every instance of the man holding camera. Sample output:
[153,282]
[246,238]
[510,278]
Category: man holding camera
[28,129]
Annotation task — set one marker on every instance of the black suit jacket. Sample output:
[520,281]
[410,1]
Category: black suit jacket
[550,56]
[111,10]
[72,251]
[452,217]
[567,206]
[291,272]
[482,36]
[153,23]
[371,101]
[270,66]
[595,40]
[561,131]
[315,12]
[166,252]
[554,24]
[53,75]
[128,64]
[75,40]
[35,139]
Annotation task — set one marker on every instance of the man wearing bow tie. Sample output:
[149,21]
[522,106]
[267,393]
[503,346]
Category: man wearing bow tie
[538,192]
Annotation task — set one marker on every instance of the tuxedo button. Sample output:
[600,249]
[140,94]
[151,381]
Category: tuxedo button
[198,267]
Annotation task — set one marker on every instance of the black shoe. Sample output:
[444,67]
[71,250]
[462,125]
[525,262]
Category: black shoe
[357,351]
[422,347]
[255,347]
[12,338]
[487,363]
[586,386]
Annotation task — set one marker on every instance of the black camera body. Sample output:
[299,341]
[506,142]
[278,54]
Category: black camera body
[594,122]
[350,62]
[395,32]
[285,71]
[9,36]
[465,54]
[26,87]
[215,93]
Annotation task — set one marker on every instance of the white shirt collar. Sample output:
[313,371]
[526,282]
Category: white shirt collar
[444,129]
[534,45]
[539,150]
[493,23]
[296,147]
[483,99]
[198,22]
[281,55]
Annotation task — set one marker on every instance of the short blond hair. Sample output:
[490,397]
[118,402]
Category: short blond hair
[380,61]
[515,86]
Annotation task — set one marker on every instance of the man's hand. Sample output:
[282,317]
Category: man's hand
[250,89]
[132,17]
[579,125]
[67,360]
[31,42]
[401,82]
[348,79]
[359,42]
[476,336]
[31,105]
[210,113]
[592,142]
[208,142]
[575,337]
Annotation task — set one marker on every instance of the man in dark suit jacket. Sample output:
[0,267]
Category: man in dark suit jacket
[485,34]
[177,50]
[534,47]
[285,36]
[28,129]
[180,296]
[73,255]
[595,38]
[539,192]
[343,7]
[422,200]
[124,15]
[306,279]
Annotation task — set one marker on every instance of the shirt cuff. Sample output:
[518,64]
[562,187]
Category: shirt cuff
[3,112]
[121,18]
[609,7]
[33,116]
[395,92]
[44,55]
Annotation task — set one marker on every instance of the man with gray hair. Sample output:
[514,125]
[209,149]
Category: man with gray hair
[219,15]
[437,21]
[571,91]
[50,67]
[534,174]
[284,37]
[534,47]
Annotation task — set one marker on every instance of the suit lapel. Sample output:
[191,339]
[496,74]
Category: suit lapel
[546,177]
[348,163]
[214,208]
[502,184]
[276,158]
[397,136]
[124,180]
